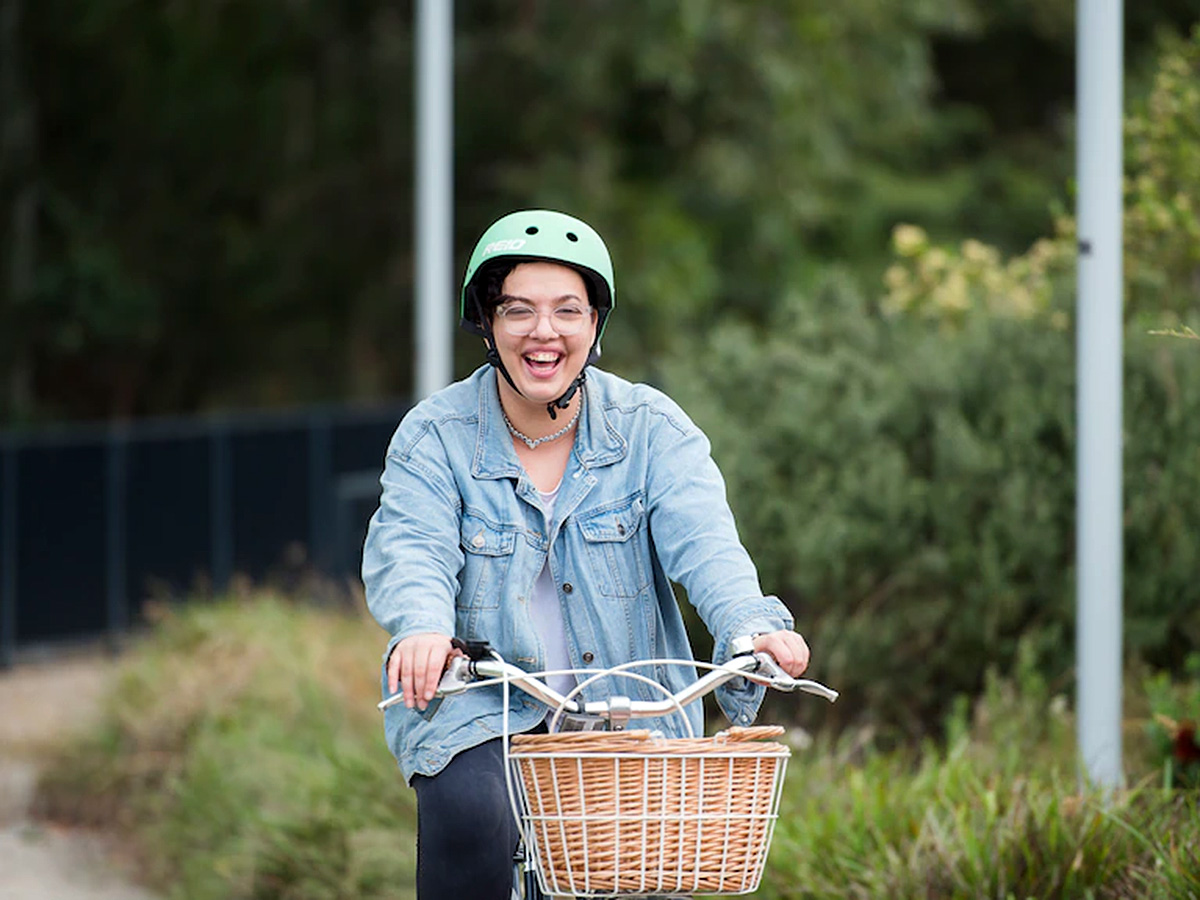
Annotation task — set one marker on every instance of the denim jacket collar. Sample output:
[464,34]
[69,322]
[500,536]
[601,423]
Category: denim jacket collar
[597,441]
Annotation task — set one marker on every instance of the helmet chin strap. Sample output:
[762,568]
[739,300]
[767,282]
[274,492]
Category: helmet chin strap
[553,406]
[564,401]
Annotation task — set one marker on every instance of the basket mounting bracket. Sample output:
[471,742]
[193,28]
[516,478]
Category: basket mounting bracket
[620,712]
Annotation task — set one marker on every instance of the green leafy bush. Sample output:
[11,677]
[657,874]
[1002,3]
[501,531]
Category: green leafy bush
[911,492]
[904,472]
[995,810]
[944,824]
[242,757]
[1172,728]
[1161,228]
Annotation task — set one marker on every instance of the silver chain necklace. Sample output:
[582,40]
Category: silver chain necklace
[532,443]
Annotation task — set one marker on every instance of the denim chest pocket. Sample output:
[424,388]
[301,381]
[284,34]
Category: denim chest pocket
[488,550]
[616,541]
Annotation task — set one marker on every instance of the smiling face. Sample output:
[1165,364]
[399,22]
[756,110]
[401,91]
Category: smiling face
[543,363]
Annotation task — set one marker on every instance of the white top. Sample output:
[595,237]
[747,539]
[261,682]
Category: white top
[547,615]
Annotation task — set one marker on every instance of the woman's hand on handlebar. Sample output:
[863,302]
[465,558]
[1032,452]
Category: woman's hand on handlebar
[788,648]
[416,666]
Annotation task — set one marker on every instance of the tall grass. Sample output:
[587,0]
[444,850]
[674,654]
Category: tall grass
[997,810]
[241,754]
[942,827]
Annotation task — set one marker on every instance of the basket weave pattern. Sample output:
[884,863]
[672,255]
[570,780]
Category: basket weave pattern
[613,813]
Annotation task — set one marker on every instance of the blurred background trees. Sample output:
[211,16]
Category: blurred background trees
[209,204]
[902,461]
[842,240]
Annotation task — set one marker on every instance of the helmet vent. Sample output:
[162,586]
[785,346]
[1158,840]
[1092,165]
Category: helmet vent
[572,236]
[532,229]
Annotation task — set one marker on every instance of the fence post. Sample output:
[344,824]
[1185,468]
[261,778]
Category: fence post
[221,504]
[350,487]
[116,495]
[320,475]
[8,551]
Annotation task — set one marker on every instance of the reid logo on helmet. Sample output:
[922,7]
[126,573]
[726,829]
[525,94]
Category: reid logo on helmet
[498,246]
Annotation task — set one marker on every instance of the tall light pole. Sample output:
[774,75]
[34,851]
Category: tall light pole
[1099,547]
[434,194]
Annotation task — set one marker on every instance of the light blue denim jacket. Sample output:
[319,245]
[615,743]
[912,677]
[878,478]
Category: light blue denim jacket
[461,535]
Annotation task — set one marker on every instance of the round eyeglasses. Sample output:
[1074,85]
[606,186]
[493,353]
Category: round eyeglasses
[521,319]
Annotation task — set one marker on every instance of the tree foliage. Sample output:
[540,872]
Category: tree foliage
[1161,230]
[904,471]
[209,204]
[911,491]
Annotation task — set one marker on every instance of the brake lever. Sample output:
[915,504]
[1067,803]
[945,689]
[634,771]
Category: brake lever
[771,670]
[454,680]
[782,681]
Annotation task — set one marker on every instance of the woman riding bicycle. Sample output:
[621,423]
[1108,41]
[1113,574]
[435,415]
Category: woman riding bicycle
[545,506]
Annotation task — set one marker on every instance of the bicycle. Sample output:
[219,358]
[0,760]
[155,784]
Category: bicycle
[670,811]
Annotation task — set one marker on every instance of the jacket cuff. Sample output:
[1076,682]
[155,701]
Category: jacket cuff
[740,699]
[767,617]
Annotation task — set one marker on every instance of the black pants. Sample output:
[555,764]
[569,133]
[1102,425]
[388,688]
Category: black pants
[466,834]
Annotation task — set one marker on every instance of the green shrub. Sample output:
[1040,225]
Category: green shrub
[242,756]
[943,826]
[904,471]
[1171,727]
[994,812]
[910,491]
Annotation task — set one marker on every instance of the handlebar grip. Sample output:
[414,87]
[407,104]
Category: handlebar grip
[455,679]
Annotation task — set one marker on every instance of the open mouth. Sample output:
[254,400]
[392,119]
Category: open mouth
[543,363]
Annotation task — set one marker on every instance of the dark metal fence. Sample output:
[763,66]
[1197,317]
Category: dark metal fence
[96,520]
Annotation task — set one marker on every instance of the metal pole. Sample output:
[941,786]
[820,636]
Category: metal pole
[1099,545]
[8,553]
[433,219]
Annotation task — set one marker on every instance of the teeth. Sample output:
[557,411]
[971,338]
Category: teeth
[542,357]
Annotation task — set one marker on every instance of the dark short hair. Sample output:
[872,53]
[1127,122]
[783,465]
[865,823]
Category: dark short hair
[490,281]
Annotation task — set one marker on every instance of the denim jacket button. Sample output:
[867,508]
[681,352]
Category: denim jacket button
[477,541]
[568,587]
[589,656]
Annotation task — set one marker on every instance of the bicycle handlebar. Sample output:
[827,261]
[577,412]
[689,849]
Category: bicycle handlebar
[463,673]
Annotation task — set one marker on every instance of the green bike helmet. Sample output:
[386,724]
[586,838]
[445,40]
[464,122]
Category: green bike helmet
[538,235]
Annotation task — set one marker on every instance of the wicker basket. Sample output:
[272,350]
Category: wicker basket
[625,813]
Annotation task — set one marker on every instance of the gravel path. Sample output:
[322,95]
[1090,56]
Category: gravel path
[43,702]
